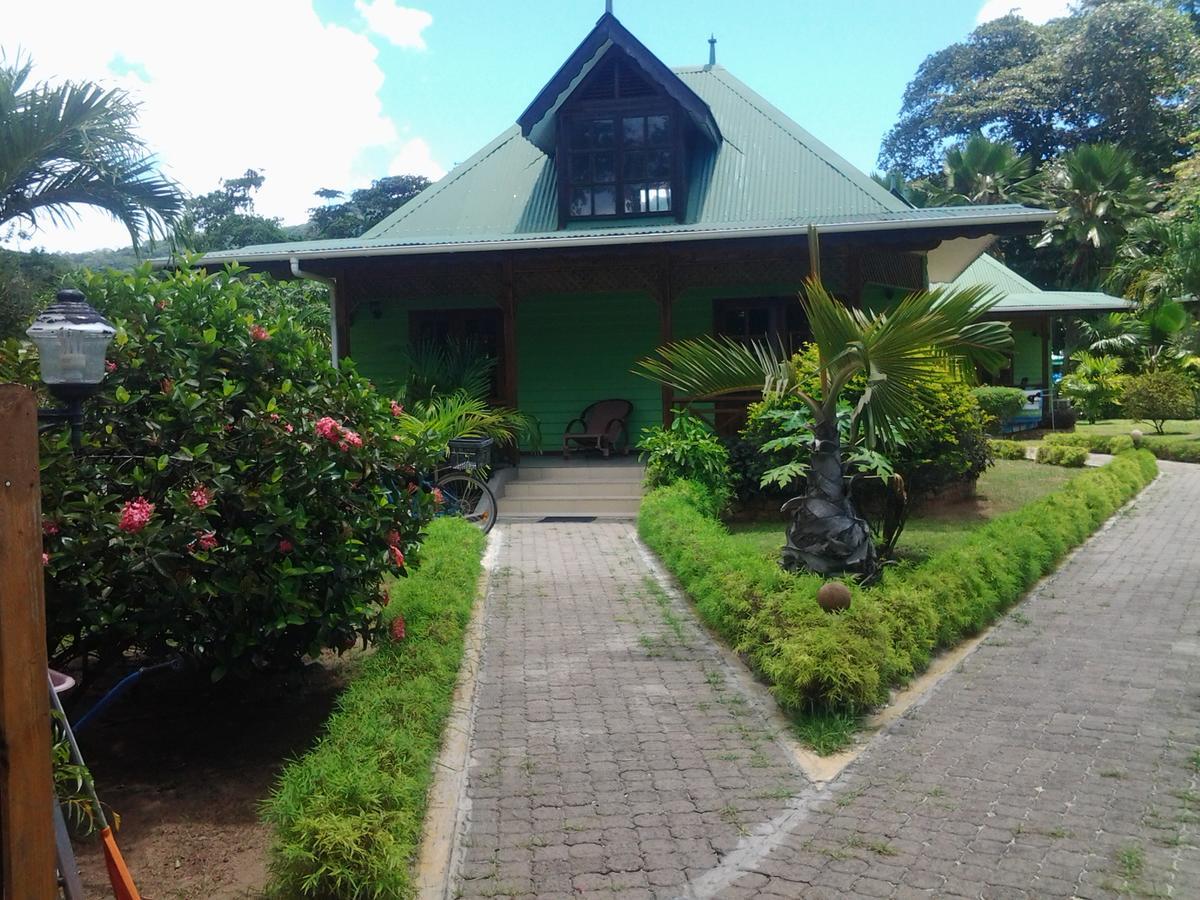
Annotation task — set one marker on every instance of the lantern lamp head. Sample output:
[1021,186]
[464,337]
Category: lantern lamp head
[72,339]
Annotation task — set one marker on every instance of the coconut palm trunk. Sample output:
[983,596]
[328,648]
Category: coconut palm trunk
[826,534]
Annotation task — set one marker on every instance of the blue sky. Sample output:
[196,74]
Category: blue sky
[335,93]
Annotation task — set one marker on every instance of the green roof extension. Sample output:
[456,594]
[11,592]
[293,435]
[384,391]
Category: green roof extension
[1023,296]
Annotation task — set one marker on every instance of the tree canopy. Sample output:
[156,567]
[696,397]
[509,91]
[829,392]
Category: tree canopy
[1119,71]
[365,207]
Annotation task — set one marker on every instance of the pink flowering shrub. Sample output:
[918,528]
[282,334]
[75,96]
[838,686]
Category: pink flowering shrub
[234,499]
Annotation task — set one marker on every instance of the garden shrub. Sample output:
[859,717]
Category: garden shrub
[233,500]
[348,815]
[1095,443]
[999,404]
[1094,385]
[686,449]
[891,629]
[1157,396]
[1062,455]
[1007,449]
[1177,449]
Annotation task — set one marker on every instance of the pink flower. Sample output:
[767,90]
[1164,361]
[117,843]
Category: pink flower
[110,366]
[207,540]
[167,385]
[398,630]
[393,538]
[285,546]
[438,497]
[288,427]
[258,333]
[384,597]
[45,558]
[329,429]
[412,487]
[274,417]
[135,515]
[397,555]
[397,409]
[49,527]
[200,497]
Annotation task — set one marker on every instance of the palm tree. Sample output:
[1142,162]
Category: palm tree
[983,171]
[1159,260]
[917,193]
[894,350]
[1099,195]
[73,145]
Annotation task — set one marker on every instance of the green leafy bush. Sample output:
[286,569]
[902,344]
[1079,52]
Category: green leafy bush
[686,449]
[1007,449]
[348,814]
[891,629]
[1177,449]
[1094,443]
[234,499]
[1062,455]
[999,404]
[1094,386]
[1157,396]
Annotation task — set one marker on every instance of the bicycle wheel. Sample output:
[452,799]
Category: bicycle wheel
[467,496]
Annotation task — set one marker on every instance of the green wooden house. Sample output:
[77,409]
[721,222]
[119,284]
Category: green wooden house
[628,205]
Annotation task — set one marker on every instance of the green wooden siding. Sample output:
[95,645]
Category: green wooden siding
[379,335]
[572,351]
[1027,353]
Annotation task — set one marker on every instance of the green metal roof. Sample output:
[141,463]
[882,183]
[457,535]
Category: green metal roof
[1022,295]
[768,176]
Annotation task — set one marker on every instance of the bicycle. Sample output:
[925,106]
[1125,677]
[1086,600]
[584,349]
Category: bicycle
[460,493]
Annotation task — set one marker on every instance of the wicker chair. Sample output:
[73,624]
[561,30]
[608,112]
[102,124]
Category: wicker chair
[605,426]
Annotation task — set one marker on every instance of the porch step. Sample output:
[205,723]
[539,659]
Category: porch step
[624,507]
[520,489]
[574,474]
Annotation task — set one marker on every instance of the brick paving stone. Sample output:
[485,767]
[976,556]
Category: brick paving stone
[609,750]
[1059,759]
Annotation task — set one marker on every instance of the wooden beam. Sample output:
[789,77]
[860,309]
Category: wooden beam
[508,305]
[666,329]
[1045,330]
[341,297]
[27,862]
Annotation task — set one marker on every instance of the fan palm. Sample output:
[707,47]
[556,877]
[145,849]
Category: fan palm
[73,145]
[1159,260]
[894,350]
[983,171]
[1099,195]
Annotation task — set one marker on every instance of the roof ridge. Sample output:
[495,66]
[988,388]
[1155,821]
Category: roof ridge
[804,138]
[423,198]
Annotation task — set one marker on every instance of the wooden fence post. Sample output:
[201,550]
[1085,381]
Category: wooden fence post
[27,862]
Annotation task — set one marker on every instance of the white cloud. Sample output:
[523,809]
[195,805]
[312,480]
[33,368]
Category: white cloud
[263,84]
[1037,11]
[401,25]
[416,158]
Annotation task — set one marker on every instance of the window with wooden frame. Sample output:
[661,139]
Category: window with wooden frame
[776,320]
[620,147]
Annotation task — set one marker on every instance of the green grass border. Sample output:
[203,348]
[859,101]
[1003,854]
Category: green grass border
[848,661]
[348,814]
[1177,449]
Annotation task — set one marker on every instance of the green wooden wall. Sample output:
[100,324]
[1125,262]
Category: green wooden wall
[1027,353]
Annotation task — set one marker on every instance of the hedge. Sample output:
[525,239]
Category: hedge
[850,660]
[348,814]
[1093,443]
[1002,449]
[1062,455]
[1177,449]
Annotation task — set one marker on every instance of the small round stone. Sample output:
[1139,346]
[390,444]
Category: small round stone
[833,596]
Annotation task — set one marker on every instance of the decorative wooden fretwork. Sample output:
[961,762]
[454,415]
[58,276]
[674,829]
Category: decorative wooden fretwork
[892,267]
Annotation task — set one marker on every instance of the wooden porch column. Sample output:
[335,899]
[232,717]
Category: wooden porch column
[508,306]
[341,297]
[666,331]
[27,861]
[1045,330]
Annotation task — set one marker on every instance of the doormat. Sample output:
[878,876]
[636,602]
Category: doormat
[546,519]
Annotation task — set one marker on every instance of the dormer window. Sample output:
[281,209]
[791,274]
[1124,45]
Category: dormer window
[619,147]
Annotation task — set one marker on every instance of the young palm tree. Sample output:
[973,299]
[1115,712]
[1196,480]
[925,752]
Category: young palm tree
[982,172]
[1099,195]
[1159,261]
[895,350]
[73,145]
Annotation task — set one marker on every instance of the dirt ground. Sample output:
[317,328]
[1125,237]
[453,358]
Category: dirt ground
[185,766]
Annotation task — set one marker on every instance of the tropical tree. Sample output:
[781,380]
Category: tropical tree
[365,207]
[73,144]
[918,193]
[1094,386]
[982,171]
[224,219]
[895,351]
[1099,195]
[1159,260]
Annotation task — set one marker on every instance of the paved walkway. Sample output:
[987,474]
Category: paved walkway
[614,750]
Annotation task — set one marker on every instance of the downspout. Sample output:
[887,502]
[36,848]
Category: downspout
[330,283]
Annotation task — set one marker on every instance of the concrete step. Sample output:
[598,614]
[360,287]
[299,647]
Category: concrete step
[570,506]
[520,489]
[574,474]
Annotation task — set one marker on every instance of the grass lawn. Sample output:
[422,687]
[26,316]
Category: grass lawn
[1188,429]
[1007,485]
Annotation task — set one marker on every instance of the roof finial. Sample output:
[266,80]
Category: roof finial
[712,50]
[608,6]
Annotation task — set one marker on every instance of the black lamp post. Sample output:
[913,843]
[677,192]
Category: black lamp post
[72,339]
